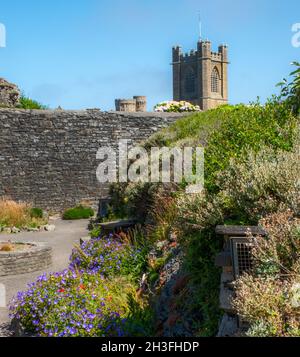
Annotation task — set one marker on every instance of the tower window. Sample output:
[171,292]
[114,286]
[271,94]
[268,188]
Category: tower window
[190,81]
[215,81]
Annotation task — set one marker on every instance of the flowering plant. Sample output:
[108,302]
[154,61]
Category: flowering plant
[103,255]
[177,107]
[70,304]
[90,299]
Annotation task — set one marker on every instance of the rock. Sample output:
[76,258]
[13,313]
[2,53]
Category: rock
[9,94]
[228,326]
[54,217]
[84,240]
[49,227]
[180,284]
[7,230]
[172,319]
[15,230]
[17,329]
[32,229]
[5,330]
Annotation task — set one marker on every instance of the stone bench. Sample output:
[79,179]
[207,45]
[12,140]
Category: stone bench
[117,226]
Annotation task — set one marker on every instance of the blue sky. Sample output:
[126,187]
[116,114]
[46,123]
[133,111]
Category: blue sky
[85,53]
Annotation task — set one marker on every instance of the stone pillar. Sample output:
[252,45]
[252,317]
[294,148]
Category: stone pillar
[223,50]
[204,49]
[141,103]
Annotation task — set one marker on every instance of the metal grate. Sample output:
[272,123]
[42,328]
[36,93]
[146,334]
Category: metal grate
[241,255]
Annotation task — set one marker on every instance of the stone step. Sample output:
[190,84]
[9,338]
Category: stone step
[226,292]
[228,326]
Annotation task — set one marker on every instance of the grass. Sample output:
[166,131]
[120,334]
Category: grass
[27,103]
[13,214]
[6,248]
[194,127]
[17,214]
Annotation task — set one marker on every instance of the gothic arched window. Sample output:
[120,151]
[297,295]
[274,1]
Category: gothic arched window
[190,81]
[215,80]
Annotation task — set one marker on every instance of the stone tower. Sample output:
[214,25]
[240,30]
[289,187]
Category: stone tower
[200,77]
[137,104]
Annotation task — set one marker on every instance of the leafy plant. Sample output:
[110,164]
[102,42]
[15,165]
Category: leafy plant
[79,212]
[290,91]
[95,231]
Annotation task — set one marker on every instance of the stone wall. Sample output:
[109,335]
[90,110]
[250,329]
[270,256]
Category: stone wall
[38,258]
[48,158]
[9,94]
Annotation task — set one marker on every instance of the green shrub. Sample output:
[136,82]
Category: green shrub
[197,126]
[79,212]
[248,128]
[251,170]
[268,303]
[27,103]
[36,212]
[264,183]
[95,231]
[227,132]
[269,298]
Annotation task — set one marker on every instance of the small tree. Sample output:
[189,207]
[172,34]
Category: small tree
[291,91]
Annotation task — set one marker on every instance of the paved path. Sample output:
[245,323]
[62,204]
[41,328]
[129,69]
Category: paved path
[61,240]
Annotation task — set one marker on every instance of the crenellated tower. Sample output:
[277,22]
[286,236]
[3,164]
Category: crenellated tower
[200,77]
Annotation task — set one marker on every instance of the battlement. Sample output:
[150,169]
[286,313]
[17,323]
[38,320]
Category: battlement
[137,104]
[216,56]
[203,51]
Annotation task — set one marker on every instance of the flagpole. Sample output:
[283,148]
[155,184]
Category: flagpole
[200,27]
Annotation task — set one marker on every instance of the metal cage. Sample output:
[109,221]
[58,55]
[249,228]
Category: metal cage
[242,258]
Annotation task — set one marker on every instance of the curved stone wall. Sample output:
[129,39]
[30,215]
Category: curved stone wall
[37,258]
